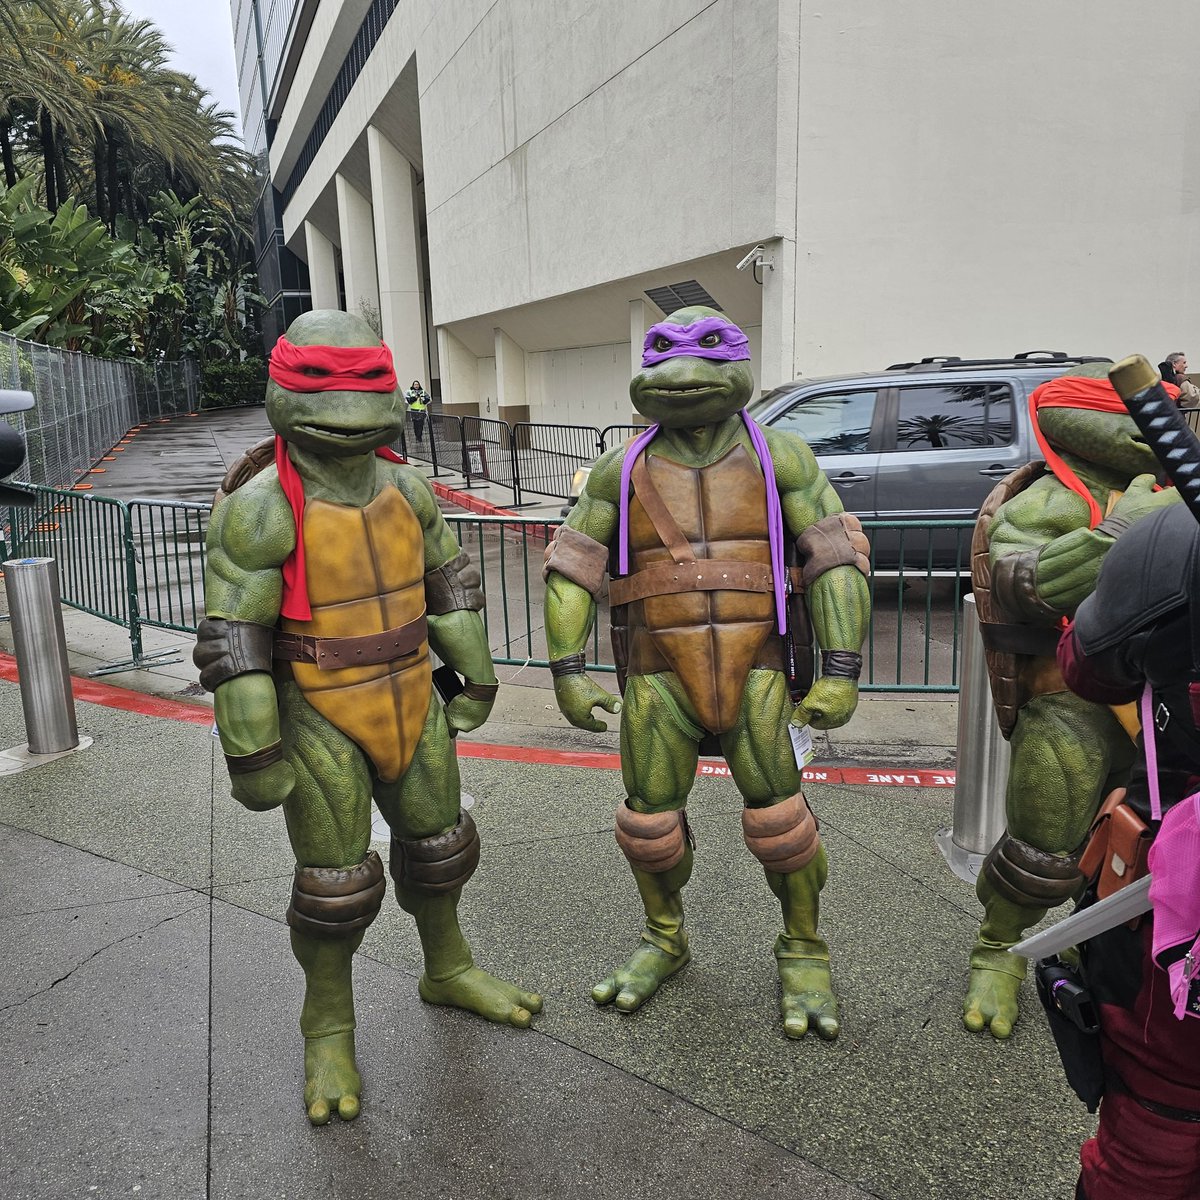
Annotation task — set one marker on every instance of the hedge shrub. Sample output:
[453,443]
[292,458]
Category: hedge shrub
[229,384]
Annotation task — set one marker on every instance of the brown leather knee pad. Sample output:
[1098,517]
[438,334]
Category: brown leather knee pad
[653,842]
[438,864]
[1032,878]
[783,837]
[335,902]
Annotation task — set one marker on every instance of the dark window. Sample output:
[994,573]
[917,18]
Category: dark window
[837,423]
[954,416]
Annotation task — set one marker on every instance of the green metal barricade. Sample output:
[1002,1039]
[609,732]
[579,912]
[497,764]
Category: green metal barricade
[141,564]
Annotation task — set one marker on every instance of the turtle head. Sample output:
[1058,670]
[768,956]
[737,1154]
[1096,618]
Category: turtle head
[695,370]
[335,424]
[1109,440]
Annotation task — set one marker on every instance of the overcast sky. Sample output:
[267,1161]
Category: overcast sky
[201,31]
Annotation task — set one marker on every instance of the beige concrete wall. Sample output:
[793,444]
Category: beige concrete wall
[571,144]
[983,179]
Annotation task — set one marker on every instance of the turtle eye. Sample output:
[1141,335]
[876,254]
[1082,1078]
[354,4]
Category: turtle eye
[662,343]
[316,372]
[374,373]
[710,339]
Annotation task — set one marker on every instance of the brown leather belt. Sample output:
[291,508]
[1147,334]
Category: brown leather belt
[704,575]
[329,653]
[1019,639]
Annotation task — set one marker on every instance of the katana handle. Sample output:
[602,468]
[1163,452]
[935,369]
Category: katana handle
[1162,425]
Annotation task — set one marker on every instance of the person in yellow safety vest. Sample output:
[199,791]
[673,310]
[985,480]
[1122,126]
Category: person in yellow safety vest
[417,399]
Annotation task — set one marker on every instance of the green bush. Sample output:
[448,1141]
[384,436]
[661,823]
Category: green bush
[228,384]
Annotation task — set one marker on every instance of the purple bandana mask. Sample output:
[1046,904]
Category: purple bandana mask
[730,344]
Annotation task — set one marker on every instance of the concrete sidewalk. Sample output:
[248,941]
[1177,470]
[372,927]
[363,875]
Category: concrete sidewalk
[152,1042]
[152,999]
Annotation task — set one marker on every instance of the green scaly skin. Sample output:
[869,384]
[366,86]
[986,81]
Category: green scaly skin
[325,783]
[1067,754]
[697,402]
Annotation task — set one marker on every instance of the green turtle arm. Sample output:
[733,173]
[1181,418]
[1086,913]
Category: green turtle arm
[249,537]
[1045,559]
[458,638]
[570,609]
[839,601]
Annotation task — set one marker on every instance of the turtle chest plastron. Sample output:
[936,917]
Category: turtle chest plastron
[365,570]
[709,639]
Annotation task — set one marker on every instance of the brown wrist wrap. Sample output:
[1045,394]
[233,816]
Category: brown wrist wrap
[256,760]
[480,691]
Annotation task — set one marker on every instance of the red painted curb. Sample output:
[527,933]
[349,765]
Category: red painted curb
[122,698]
[471,503]
[195,714]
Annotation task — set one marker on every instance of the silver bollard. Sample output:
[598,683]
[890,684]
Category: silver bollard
[983,760]
[41,650]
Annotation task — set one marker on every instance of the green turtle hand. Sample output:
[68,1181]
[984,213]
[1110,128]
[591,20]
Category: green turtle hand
[1140,499]
[266,789]
[577,696]
[830,702]
[464,714]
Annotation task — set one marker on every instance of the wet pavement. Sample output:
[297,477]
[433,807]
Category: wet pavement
[151,1041]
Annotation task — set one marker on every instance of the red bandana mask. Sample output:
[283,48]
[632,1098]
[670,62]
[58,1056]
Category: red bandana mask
[332,368]
[320,369]
[1075,391]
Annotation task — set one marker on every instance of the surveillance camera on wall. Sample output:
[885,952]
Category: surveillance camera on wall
[752,257]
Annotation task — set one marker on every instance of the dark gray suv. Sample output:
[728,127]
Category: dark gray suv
[922,441]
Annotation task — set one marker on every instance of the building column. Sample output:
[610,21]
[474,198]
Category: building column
[357,232]
[322,267]
[459,375]
[777,363]
[397,249]
[512,400]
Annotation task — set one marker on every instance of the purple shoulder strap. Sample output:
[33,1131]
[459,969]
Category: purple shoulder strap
[774,510]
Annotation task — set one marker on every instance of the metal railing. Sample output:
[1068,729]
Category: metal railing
[86,404]
[546,457]
[614,435]
[141,564]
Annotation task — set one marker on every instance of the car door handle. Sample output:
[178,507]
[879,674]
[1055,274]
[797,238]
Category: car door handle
[847,477]
[996,472]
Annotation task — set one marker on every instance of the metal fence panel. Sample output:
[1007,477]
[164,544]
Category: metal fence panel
[547,456]
[488,445]
[614,435]
[169,560]
[142,563]
[85,404]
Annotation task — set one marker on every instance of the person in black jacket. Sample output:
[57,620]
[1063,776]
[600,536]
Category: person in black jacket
[1142,626]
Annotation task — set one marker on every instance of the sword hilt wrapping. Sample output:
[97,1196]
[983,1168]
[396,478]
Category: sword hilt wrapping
[1162,425]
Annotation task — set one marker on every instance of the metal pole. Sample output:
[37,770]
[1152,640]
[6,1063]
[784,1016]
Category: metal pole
[41,650]
[983,759]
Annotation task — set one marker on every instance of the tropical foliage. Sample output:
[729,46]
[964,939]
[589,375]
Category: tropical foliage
[125,203]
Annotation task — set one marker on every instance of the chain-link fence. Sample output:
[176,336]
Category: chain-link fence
[85,404]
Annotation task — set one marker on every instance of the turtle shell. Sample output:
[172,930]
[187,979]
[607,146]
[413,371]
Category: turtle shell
[244,468]
[1005,668]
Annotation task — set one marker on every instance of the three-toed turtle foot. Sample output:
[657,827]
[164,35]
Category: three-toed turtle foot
[991,1001]
[331,1080]
[476,991]
[806,999]
[633,984]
